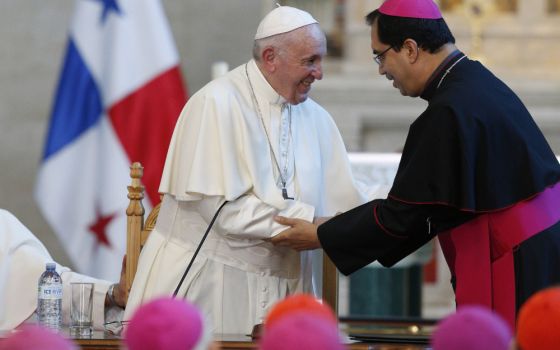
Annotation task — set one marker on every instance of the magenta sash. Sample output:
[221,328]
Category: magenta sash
[479,253]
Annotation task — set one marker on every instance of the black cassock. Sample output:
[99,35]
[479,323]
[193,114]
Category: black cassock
[474,150]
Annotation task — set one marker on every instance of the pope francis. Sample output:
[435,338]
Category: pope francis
[253,138]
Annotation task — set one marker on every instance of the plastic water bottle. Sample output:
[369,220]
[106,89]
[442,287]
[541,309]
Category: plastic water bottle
[49,302]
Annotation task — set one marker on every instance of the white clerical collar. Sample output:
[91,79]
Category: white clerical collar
[261,85]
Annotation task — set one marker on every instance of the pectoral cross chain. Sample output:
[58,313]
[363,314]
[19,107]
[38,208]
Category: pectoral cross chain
[285,194]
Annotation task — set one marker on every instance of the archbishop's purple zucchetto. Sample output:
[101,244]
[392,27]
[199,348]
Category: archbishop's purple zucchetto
[425,9]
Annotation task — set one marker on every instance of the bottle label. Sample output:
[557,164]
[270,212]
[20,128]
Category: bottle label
[50,292]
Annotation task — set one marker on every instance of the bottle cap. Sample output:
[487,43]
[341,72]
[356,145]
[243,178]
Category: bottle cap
[51,266]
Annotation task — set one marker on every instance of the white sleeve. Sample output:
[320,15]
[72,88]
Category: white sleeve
[23,259]
[250,218]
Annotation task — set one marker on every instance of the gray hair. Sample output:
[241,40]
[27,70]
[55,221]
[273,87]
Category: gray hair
[283,41]
[276,41]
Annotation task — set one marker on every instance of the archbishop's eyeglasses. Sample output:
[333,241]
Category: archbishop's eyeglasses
[381,57]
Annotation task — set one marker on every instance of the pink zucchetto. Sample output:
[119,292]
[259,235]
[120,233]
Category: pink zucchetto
[31,337]
[301,331]
[425,9]
[472,328]
[167,323]
[283,19]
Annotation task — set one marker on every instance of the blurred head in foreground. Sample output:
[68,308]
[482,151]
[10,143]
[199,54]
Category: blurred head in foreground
[299,302]
[300,322]
[31,337]
[301,331]
[538,323]
[167,323]
[472,328]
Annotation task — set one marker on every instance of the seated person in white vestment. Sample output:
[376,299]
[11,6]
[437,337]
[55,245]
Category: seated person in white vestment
[22,260]
[253,138]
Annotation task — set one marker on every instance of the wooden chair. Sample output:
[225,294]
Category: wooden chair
[137,232]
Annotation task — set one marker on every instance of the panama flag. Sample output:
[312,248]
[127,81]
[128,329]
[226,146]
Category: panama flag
[118,98]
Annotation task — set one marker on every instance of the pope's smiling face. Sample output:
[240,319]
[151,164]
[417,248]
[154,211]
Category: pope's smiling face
[298,63]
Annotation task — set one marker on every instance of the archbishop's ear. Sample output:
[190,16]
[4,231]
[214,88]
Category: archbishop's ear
[412,50]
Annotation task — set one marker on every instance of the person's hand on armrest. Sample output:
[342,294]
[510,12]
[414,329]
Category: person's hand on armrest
[117,294]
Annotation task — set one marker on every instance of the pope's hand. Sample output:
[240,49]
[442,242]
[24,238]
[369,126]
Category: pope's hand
[302,235]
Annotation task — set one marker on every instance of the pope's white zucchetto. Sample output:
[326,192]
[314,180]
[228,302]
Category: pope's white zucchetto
[283,19]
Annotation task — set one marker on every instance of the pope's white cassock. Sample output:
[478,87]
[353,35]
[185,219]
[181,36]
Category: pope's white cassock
[22,261]
[221,150]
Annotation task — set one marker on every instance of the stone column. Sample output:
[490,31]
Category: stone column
[531,12]
[358,55]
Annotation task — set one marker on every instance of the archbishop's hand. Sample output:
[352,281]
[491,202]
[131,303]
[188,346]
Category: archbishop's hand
[302,235]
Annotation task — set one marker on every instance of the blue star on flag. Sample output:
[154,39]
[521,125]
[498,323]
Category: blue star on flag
[109,5]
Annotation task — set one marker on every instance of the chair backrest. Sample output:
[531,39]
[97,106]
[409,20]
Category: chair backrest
[330,283]
[138,231]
